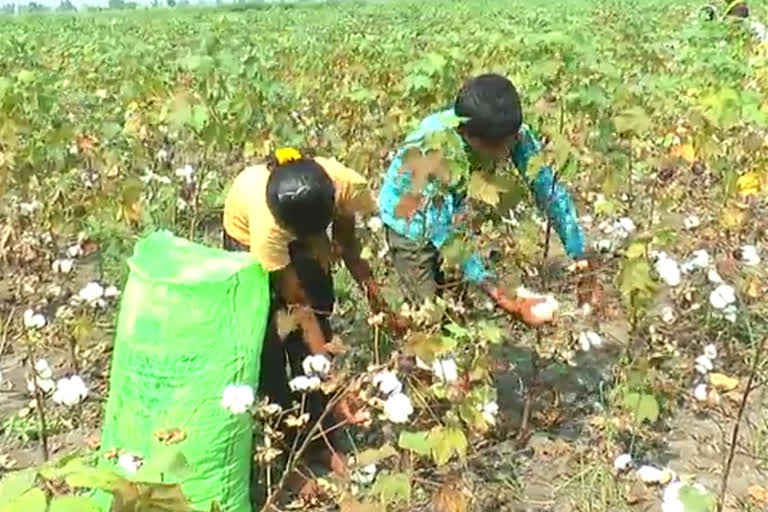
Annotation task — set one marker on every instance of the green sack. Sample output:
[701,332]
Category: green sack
[191,323]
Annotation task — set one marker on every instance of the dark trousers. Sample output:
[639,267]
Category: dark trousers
[274,377]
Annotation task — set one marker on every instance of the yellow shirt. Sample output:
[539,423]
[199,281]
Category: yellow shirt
[248,220]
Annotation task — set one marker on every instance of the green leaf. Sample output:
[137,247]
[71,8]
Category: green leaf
[417,442]
[392,488]
[72,504]
[643,406]
[696,499]
[33,500]
[167,464]
[490,331]
[94,478]
[25,76]
[15,484]
[198,118]
[447,441]
[633,121]
[636,250]
[373,456]
[455,252]
[62,468]
[635,276]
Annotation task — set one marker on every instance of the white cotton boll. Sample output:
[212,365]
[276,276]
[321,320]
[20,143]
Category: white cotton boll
[730,313]
[624,227]
[186,173]
[237,398]
[700,258]
[704,363]
[92,292]
[714,277]
[43,369]
[398,408]
[446,370]
[604,245]
[111,292]
[161,155]
[317,365]
[700,392]
[70,391]
[750,256]
[302,384]
[375,224]
[34,320]
[722,296]
[622,462]
[387,383]
[584,342]
[129,463]
[668,315]
[691,222]
[710,351]
[75,251]
[490,411]
[62,266]
[671,501]
[650,474]
[668,270]
[364,475]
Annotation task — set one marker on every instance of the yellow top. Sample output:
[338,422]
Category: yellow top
[248,220]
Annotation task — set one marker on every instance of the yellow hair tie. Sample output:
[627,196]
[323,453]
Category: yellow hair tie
[287,155]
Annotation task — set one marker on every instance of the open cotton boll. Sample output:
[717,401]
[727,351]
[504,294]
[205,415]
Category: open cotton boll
[622,462]
[668,314]
[70,391]
[722,296]
[75,251]
[446,370]
[704,365]
[700,258]
[489,412]
[700,392]
[129,463]
[398,408]
[317,365]
[92,292]
[714,277]
[237,398]
[591,339]
[624,227]
[584,343]
[691,222]
[364,475]
[672,500]
[653,475]
[63,266]
[668,270]
[302,384]
[387,383]
[34,320]
[711,351]
[750,256]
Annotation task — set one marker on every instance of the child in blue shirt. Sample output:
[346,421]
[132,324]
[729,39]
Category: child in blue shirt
[490,128]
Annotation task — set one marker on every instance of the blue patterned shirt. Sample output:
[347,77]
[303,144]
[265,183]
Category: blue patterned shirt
[435,221]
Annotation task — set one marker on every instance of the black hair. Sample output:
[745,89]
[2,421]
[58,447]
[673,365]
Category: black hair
[739,10]
[492,106]
[301,196]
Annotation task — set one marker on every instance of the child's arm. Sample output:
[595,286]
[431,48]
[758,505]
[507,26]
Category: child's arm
[344,235]
[555,201]
[293,294]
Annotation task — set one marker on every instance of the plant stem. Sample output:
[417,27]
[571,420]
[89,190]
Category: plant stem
[629,177]
[757,358]
[39,403]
